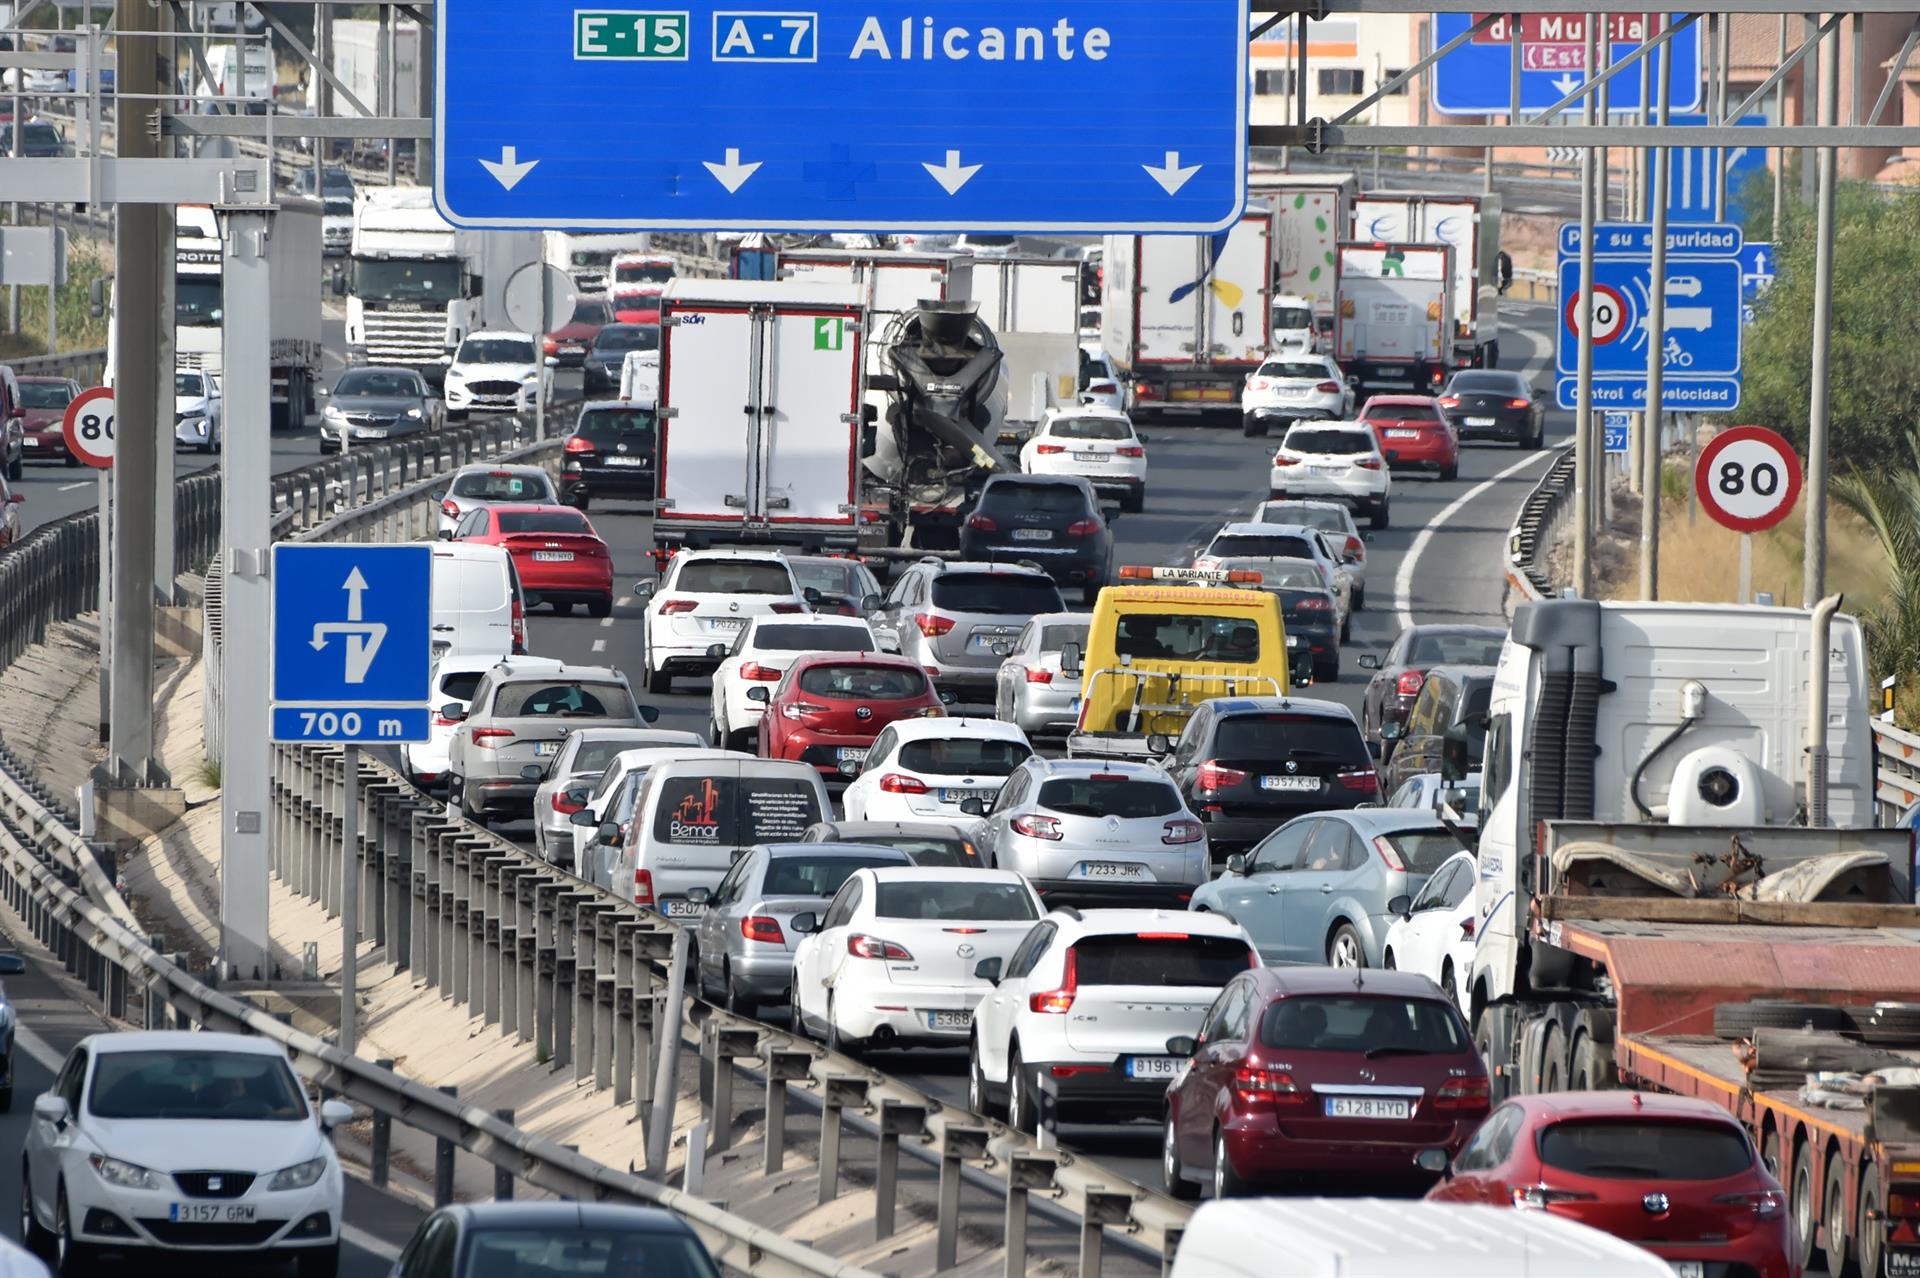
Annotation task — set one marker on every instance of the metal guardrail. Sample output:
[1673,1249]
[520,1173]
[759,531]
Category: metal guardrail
[88,367]
[1542,515]
[1896,781]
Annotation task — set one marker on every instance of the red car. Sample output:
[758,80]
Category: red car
[46,400]
[831,705]
[558,557]
[1414,433]
[569,342]
[1672,1174]
[1311,1074]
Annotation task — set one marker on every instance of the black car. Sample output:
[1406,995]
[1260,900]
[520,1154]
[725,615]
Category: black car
[610,454]
[1053,521]
[1453,699]
[1398,675]
[600,371]
[583,1240]
[1491,403]
[38,141]
[1248,765]
[1310,613]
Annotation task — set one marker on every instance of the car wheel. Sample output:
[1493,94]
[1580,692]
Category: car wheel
[1450,473]
[795,1021]
[1344,948]
[835,1041]
[1252,426]
[69,1257]
[72,460]
[1226,1181]
[736,1002]
[1450,986]
[16,467]
[1136,500]
[1326,672]
[1387,962]
[1381,515]
[1020,1110]
[979,1098]
[1359,598]
[1346,628]
[1178,1186]
[32,1233]
[1539,438]
[1800,1207]
[659,682]
[600,608]
[563,607]
[717,737]
[321,1262]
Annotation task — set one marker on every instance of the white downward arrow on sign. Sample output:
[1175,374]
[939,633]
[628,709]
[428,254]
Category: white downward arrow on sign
[732,174]
[952,175]
[509,168]
[1171,177]
[1567,84]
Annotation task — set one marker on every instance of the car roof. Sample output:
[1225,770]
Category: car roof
[1427,400]
[883,660]
[500,332]
[1039,481]
[942,874]
[531,507]
[828,847]
[670,754]
[556,1213]
[729,552]
[643,735]
[488,468]
[996,566]
[564,671]
[1334,980]
[481,662]
[1127,768]
[1119,922]
[1371,821]
[1227,707]
[967,725]
[827,559]
[182,1041]
[1558,1106]
[1463,673]
[909,829]
[594,405]
[378,368]
[1329,424]
[1087,410]
[42,379]
[823,619]
[1249,528]
[1307,503]
[1454,628]
[1062,618]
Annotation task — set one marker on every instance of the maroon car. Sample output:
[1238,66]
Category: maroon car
[46,400]
[1320,1074]
[570,341]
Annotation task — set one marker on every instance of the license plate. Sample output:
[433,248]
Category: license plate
[941,1019]
[1290,783]
[211,1213]
[984,643]
[681,909]
[1109,870]
[1403,434]
[1033,534]
[369,432]
[624,463]
[1368,1107]
[1153,1066]
[1093,457]
[1903,1264]
[573,348]
[1328,470]
[1689,1268]
[542,748]
[726,623]
[553,556]
[852,755]
[959,796]
[1294,392]
[1488,421]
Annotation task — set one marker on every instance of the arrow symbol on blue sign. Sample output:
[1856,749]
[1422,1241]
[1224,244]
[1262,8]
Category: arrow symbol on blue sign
[1171,177]
[509,168]
[363,637]
[732,174]
[1567,83]
[952,175]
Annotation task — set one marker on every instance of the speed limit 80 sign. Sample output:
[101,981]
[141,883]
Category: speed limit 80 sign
[1747,478]
[88,427]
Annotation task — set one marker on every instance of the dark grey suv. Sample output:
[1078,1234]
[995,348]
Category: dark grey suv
[947,618]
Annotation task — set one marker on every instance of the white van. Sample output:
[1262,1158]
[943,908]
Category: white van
[477,603]
[692,818]
[1393,1238]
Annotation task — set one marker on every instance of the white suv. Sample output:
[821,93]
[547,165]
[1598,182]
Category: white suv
[1097,443]
[1088,1001]
[1333,459]
[924,769]
[497,372]
[1292,386]
[759,655]
[704,599]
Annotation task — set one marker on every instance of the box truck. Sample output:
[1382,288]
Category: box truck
[1315,213]
[1470,225]
[1032,304]
[1393,315]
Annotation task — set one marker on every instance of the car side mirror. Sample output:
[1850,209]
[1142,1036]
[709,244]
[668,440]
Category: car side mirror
[645,589]
[810,594]
[1369,661]
[649,714]
[1392,731]
[1003,649]
[805,924]
[1070,658]
[438,495]
[718,651]
[585,819]
[333,1113]
[12,965]
[1159,743]
[872,604]
[533,772]
[609,832]
[51,1109]
[1353,381]
[1435,1161]
[700,896]
[1237,864]
[323,391]
[1401,905]
[453,710]
[1453,754]
[973,807]
[988,970]
[1145,439]
[759,694]
[1182,1045]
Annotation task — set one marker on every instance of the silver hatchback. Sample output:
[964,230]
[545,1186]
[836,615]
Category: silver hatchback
[514,727]
[1095,832]
[953,620]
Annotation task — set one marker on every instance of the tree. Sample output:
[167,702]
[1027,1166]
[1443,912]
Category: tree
[1887,496]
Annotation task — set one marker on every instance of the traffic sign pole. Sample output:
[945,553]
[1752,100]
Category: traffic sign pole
[1654,417]
[350,902]
[1814,570]
[1583,450]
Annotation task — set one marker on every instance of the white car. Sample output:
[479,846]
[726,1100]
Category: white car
[1271,541]
[576,771]
[171,1142]
[759,655]
[497,371]
[1294,386]
[703,600]
[1333,459]
[612,803]
[1090,999]
[491,485]
[1095,442]
[1429,791]
[452,683]
[893,960]
[924,769]
[196,410]
[1292,329]
[1434,933]
[1101,385]
[1336,521]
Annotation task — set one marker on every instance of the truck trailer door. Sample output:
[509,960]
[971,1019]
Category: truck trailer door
[808,400]
[706,436]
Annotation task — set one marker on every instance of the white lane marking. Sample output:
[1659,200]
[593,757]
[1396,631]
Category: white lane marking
[367,1242]
[606,623]
[67,488]
[599,645]
[1403,580]
[38,1048]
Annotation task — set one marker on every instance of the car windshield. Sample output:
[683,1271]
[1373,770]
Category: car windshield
[1129,798]
[1300,368]
[935,853]
[643,272]
[1035,499]
[379,279]
[792,638]
[570,698]
[460,685]
[616,426]
[961,900]
[1262,546]
[1490,384]
[1170,958]
[627,337]
[1324,518]
[1403,413]
[1645,1149]
[1292,317]
[590,310]
[1000,593]
[1455,650]
[1363,1023]
[191,385]
[1333,443]
[501,485]
[495,350]
[1290,736]
[39,135]
[1423,851]
[576,1251]
[734,577]
[597,756]
[45,394]
[1054,638]
[963,756]
[831,577]
[380,382]
[1090,428]
[1159,636]
[544,521]
[862,682]
[197,1085]
[336,207]
[796,875]
[196,299]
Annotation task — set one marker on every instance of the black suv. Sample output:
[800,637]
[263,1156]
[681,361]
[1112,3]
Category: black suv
[1452,702]
[1053,521]
[1248,765]
[610,454]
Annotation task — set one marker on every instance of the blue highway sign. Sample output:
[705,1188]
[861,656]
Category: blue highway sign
[1614,430]
[845,115]
[1690,173]
[1758,266]
[352,642]
[1475,79]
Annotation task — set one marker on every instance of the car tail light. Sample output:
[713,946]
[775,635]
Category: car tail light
[1358,779]
[1540,1197]
[1312,605]
[872,947]
[1281,459]
[1408,685]
[762,927]
[441,721]
[932,625]
[1057,1002]
[1083,528]
[1367,463]
[1356,547]
[1103,387]
[1466,929]
[1449,401]
[489,738]
[1182,832]
[1145,390]
[1039,674]
[519,625]
[1258,383]
[1254,1085]
[1130,450]
[565,803]
[1519,403]
[1045,450]
[894,783]
[450,508]
[643,887]
[577,444]
[1389,853]
[1903,1202]
[801,709]
[982,523]
[1463,1094]
[1213,775]
[1435,378]
[1328,388]
[1765,1203]
[787,609]
[1037,827]
[672,606]
[758,673]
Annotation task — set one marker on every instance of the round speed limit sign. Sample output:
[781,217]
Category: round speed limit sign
[1609,314]
[1748,478]
[88,427]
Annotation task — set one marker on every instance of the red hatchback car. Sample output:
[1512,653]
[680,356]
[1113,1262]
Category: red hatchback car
[46,400]
[1672,1174]
[1414,433]
[831,705]
[1313,1074]
[558,557]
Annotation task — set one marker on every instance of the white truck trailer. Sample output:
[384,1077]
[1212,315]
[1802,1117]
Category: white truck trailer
[1393,315]
[1315,213]
[1468,224]
[760,387]
[356,61]
[1032,304]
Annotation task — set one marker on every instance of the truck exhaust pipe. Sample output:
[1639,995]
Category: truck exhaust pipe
[1817,712]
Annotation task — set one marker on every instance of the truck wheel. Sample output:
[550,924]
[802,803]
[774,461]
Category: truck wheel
[1492,1038]
[1867,1227]
[1833,1208]
[1800,1205]
[1592,1066]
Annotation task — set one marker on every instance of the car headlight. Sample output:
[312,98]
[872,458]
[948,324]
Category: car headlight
[415,413]
[455,375]
[334,413]
[123,1175]
[529,377]
[298,1176]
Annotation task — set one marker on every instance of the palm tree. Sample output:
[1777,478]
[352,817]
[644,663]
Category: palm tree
[1888,499]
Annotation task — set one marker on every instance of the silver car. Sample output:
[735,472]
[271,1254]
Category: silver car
[520,717]
[372,405]
[1095,832]
[489,484]
[744,943]
[948,619]
[930,843]
[1343,535]
[1031,691]
[568,781]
